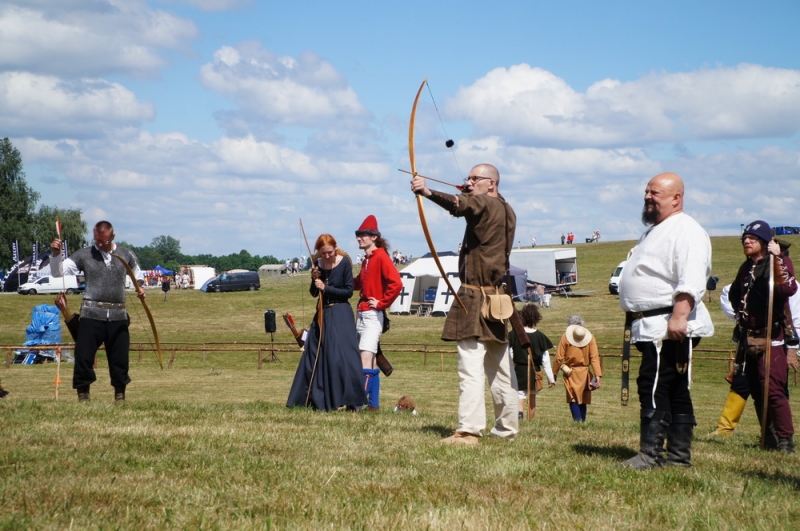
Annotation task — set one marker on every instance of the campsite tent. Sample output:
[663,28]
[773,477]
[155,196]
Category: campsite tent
[425,289]
[21,269]
[162,271]
[423,285]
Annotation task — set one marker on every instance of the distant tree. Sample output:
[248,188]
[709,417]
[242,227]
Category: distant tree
[74,231]
[149,258]
[168,247]
[17,204]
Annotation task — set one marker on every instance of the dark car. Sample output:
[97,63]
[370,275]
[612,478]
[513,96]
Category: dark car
[786,230]
[235,281]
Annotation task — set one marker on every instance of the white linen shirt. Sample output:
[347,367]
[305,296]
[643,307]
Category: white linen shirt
[671,258]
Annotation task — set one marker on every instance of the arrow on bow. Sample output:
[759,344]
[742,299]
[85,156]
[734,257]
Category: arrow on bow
[420,206]
[132,276]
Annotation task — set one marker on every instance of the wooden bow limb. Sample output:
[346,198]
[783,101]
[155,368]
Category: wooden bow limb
[319,319]
[132,276]
[768,351]
[420,206]
[63,294]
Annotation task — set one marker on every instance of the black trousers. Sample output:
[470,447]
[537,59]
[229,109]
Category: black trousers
[117,340]
[661,386]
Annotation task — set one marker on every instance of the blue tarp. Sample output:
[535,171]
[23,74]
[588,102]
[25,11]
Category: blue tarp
[45,327]
[163,271]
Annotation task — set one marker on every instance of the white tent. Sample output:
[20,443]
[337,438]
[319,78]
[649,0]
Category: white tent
[423,285]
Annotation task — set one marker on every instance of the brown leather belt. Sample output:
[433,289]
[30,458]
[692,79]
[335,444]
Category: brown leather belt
[478,288]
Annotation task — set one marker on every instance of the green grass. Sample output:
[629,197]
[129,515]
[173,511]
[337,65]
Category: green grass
[208,443]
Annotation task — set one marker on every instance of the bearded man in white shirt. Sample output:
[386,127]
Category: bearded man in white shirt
[662,288]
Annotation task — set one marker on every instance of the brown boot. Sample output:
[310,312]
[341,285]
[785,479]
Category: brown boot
[119,393]
[83,393]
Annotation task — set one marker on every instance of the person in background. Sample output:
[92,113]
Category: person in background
[380,284]
[577,351]
[740,391]
[540,346]
[749,296]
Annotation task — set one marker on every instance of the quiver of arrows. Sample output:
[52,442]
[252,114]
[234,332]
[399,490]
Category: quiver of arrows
[298,336]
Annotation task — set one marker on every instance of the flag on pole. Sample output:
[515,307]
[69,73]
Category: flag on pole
[15,251]
[35,251]
[64,253]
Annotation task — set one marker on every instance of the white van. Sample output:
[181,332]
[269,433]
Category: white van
[68,283]
[613,283]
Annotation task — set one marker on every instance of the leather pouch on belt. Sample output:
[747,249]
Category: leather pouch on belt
[756,346]
[496,307]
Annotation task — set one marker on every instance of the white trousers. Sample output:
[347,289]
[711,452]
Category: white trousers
[478,360]
[369,326]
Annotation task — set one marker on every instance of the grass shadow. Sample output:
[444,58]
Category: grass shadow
[438,429]
[792,481]
[615,452]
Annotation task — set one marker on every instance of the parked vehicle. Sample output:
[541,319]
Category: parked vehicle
[786,230]
[613,283]
[556,269]
[235,281]
[45,285]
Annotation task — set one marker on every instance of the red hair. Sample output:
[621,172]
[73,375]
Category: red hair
[323,240]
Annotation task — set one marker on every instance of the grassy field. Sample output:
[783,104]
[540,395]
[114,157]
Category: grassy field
[208,444]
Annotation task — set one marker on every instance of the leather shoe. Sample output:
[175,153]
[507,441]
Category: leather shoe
[462,438]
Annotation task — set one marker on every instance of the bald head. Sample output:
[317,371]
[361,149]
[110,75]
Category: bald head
[663,198]
[484,179]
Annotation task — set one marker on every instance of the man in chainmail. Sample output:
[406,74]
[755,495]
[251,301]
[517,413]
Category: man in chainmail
[103,317]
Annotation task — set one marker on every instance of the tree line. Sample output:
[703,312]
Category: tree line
[166,252]
[22,222]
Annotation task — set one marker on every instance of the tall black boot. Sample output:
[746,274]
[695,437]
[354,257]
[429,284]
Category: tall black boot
[679,440]
[653,431]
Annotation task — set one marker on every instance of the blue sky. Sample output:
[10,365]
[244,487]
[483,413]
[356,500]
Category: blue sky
[221,122]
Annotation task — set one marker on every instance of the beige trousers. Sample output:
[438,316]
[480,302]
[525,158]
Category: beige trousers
[478,360]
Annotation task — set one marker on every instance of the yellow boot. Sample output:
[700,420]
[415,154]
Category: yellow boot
[731,413]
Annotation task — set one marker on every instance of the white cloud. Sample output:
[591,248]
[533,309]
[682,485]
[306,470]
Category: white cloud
[534,106]
[212,5]
[76,38]
[48,107]
[304,91]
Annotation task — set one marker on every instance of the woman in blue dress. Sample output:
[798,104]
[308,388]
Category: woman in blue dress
[329,374]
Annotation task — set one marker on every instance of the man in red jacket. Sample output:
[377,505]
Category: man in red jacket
[380,285]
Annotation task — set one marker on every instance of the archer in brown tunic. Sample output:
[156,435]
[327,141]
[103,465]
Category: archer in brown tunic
[482,263]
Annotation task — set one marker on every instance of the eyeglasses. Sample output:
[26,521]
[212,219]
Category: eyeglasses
[104,242]
[476,178]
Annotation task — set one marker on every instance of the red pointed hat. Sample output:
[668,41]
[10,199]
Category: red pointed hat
[369,226]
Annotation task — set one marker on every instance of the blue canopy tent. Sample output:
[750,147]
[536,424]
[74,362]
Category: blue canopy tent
[162,271]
